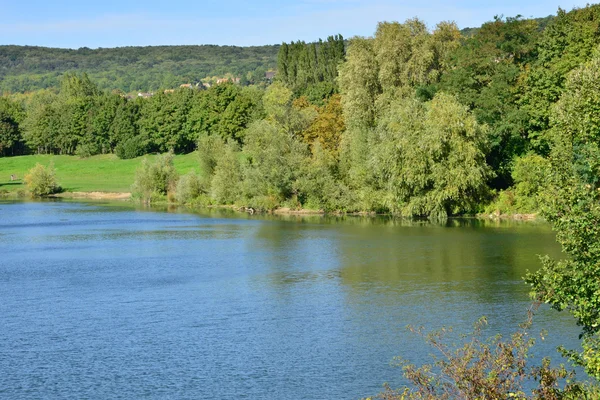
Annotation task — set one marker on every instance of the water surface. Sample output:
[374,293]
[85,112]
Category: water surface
[104,301]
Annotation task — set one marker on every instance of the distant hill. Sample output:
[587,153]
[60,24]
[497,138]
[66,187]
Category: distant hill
[132,69]
[543,22]
[27,68]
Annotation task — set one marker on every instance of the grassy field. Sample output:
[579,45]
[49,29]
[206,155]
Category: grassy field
[103,173]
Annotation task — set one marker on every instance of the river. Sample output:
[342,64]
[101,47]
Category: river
[102,300]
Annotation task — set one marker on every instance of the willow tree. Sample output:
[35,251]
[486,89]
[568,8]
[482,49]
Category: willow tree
[400,59]
[428,159]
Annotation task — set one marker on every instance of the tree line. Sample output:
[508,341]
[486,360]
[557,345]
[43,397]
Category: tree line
[133,68]
[411,121]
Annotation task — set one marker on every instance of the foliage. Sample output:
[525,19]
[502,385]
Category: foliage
[226,184]
[572,206]
[131,69]
[319,186]
[273,161]
[11,115]
[189,187]
[132,147]
[328,126]
[429,158]
[311,69]
[530,174]
[494,368]
[41,180]
[485,74]
[209,149]
[154,180]
[569,40]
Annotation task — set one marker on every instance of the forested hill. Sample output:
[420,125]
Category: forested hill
[541,23]
[28,68]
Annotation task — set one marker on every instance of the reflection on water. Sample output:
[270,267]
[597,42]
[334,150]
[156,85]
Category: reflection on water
[103,300]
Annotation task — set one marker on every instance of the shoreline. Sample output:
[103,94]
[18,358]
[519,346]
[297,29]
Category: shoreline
[126,196]
[94,195]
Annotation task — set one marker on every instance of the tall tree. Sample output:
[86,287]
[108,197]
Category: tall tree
[573,207]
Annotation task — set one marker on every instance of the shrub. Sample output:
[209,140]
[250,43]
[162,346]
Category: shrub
[495,368]
[85,150]
[189,188]
[530,173]
[226,181]
[318,185]
[41,180]
[274,161]
[131,148]
[154,180]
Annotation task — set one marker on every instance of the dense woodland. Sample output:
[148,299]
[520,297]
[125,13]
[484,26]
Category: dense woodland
[132,69]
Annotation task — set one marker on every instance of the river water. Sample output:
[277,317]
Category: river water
[102,301]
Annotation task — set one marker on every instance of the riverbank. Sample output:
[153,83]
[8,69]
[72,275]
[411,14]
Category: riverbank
[126,196]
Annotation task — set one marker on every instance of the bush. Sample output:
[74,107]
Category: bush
[85,150]
[155,180]
[495,368]
[319,186]
[227,178]
[530,174]
[41,180]
[274,161]
[189,188]
[131,148]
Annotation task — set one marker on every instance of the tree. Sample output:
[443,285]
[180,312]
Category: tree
[359,84]
[485,73]
[429,159]
[163,120]
[572,205]
[569,40]
[273,162]
[40,124]
[226,183]
[155,179]
[311,69]
[281,111]
[327,128]
[11,140]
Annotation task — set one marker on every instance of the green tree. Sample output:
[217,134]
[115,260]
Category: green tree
[155,179]
[570,39]
[485,73]
[11,140]
[273,163]
[40,124]
[226,183]
[430,158]
[163,119]
[572,205]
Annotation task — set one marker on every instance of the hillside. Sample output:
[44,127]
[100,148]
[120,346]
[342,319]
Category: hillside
[28,68]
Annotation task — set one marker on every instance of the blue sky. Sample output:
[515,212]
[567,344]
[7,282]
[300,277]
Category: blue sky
[111,23]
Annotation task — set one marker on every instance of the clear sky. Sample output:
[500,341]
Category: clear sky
[111,23]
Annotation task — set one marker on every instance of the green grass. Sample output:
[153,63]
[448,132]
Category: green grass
[103,173]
